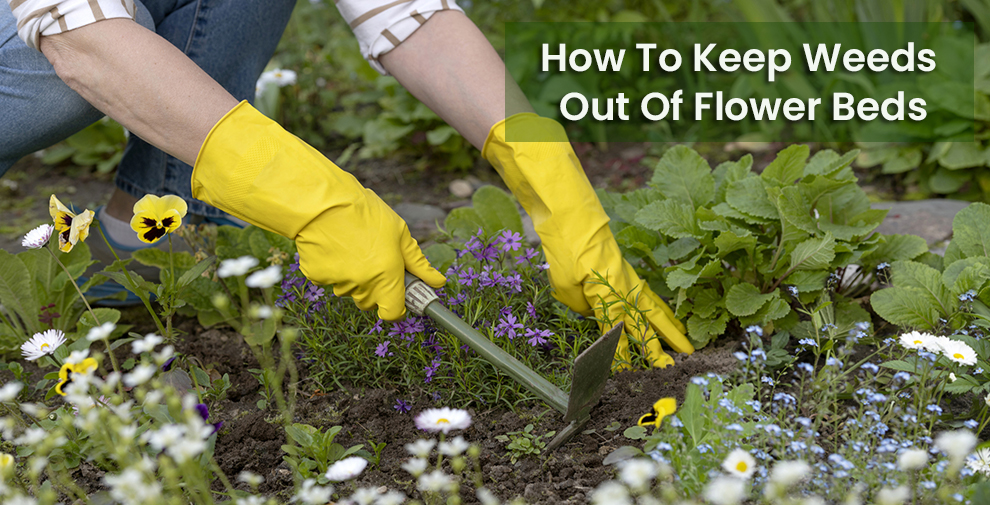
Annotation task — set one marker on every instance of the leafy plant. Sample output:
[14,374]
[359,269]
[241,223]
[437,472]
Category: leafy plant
[730,245]
[313,451]
[100,144]
[524,443]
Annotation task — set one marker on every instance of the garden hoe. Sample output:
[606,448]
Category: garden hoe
[591,368]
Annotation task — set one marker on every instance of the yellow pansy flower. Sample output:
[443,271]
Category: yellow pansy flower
[154,216]
[6,464]
[662,408]
[71,228]
[68,370]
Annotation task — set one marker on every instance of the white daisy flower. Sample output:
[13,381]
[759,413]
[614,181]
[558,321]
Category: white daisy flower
[415,466]
[957,444]
[42,344]
[979,461]
[912,459]
[38,237]
[421,448]
[283,77]
[788,473]
[725,490]
[10,390]
[364,495]
[251,500]
[77,357]
[916,340]
[238,266]
[101,332]
[311,494]
[638,473]
[434,481]
[893,496]
[391,498]
[265,278]
[250,478]
[454,447]
[739,463]
[445,420]
[31,436]
[610,493]
[937,344]
[147,344]
[186,449]
[347,468]
[139,375]
[960,352]
[486,497]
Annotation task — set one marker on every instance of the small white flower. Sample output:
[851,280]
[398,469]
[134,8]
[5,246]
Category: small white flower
[186,449]
[638,473]
[347,468]
[788,473]
[979,461]
[77,357]
[391,498]
[486,497]
[421,448]
[250,478]
[38,237]
[311,494]
[895,496]
[986,399]
[250,500]
[163,355]
[952,377]
[917,340]
[147,344]
[100,332]
[31,436]
[139,375]
[364,495]
[10,390]
[610,493]
[260,311]
[937,344]
[445,419]
[725,490]
[739,463]
[434,481]
[20,499]
[912,459]
[42,344]
[454,447]
[957,444]
[265,278]
[960,352]
[284,77]
[238,266]
[164,437]
[415,466]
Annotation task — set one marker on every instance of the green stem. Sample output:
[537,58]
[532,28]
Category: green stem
[133,285]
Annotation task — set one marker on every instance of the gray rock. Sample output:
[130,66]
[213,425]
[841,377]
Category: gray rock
[421,218]
[528,230]
[929,219]
[461,188]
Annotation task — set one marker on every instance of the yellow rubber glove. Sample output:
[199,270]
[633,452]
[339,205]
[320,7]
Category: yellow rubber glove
[252,168]
[549,182]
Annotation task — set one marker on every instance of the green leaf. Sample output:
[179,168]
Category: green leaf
[745,299]
[105,315]
[788,166]
[681,277]
[963,155]
[155,257]
[692,414]
[635,433]
[897,247]
[925,279]
[16,293]
[639,241]
[440,255]
[463,222]
[901,366]
[807,280]
[728,172]
[945,181]
[301,434]
[795,209]
[673,219]
[194,272]
[727,242]
[702,329]
[684,176]
[906,307]
[749,196]
[970,233]
[814,253]
[828,163]
[497,210]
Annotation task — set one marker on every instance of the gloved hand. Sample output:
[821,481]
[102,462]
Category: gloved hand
[252,168]
[549,182]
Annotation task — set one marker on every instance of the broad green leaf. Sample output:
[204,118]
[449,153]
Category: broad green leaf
[927,280]
[807,280]
[749,197]
[684,176]
[899,365]
[795,209]
[788,166]
[680,277]
[104,314]
[906,307]
[692,414]
[963,155]
[702,330]
[828,163]
[965,277]
[728,172]
[671,218]
[745,299]
[682,247]
[16,293]
[440,255]
[194,272]
[463,222]
[970,233]
[639,241]
[945,181]
[727,242]
[813,254]
[497,210]
[897,247]
[706,301]
[907,159]
[856,226]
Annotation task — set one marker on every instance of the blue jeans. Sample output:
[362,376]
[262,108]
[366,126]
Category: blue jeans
[232,40]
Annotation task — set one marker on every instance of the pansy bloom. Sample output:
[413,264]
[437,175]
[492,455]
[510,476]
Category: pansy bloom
[71,228]
[154,216]
[662,408]
[70,370]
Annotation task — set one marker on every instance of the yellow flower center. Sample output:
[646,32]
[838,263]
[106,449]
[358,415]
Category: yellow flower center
[443,420]
[742,466]
[44,347]
[918,342]
[958,356]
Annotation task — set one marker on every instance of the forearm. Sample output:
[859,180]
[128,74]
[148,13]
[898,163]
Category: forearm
[141,80]
[449,65]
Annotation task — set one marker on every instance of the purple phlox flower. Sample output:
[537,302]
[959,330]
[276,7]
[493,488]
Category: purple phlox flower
[537,337]
[510,241]
[513,281]
[377,328]
[314,293]
[457,300]
[531,310]
[382,349]
[432,344]
[431,370]
[401,406]
[204,412]
[507,327]
[474,243]
[543,266]
[467,277]
[528,255]
[406,328]
[168,364]
[294,266]
[286,297]
[488,277]
[488,253]
[453,271]
[505,311]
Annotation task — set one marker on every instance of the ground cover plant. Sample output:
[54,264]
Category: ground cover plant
[824,408]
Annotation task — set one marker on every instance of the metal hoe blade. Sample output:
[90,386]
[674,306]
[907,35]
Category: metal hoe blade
[591,368]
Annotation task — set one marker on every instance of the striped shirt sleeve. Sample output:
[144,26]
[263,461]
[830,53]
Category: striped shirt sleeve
[49,17]
[381,25]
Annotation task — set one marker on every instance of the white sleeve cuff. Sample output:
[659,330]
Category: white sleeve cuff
[49,17]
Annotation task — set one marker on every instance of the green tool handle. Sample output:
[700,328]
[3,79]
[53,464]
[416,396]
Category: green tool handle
[421,300]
